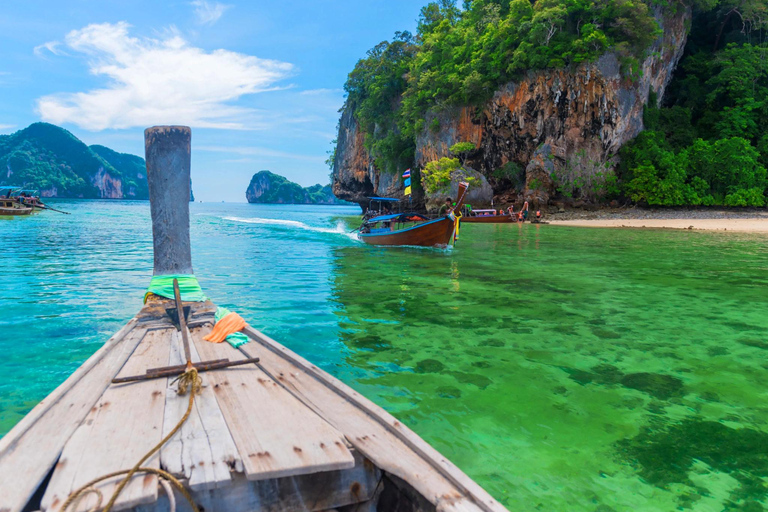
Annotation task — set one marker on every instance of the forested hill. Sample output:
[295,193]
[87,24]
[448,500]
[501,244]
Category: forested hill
[271,188]
[51,159]
[564,82]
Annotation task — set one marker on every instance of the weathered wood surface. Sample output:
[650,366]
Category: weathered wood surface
[203,451]
[120,429]
[317,492]
[30,449]
[389,444]
[275,434]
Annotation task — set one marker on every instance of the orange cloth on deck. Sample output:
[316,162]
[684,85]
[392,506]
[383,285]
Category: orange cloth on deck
[229,324]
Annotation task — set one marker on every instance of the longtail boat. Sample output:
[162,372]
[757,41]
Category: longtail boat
[159,419]
[413,228]
[488,217]
[9,205]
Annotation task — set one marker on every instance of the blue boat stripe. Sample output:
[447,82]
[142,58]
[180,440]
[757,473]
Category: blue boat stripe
[406,229]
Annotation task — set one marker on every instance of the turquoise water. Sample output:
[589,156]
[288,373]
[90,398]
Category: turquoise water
[561,368]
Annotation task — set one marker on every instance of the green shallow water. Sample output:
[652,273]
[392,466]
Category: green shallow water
[561,368]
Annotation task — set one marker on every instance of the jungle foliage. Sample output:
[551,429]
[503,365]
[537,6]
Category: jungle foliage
[707,144]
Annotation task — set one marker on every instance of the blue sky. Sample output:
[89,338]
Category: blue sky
[259,82]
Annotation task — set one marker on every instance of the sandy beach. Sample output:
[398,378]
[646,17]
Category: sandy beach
[758,225]
[739,221]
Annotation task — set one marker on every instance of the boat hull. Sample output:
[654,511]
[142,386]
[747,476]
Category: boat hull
[490,219]
[14,211]
[438,232]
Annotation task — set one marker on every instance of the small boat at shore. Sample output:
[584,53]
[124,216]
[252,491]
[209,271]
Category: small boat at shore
[488,217]
[160,419]
[413,228]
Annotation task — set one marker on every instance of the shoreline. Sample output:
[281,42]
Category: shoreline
[724,225]
[740,221]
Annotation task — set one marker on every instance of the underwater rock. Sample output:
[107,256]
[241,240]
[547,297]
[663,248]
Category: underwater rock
[448,392]
[429,366]
[665,456]
[751,342]
[492,343]
[599,374]
[372,342]
[605,334]
[718,351]
[607,373]
[657,385]
[481,381]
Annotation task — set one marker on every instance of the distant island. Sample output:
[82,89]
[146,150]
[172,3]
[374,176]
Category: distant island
[51,159]
[270,188]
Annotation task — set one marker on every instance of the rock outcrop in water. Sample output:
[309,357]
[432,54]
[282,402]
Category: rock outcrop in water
[548,122]
[51,159]
[268,187]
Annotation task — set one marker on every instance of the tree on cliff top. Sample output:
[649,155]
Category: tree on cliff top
[462,149]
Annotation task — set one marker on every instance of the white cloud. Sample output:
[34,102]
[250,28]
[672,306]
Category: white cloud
[6,127]
[159,81]
[51,46]
[209,13]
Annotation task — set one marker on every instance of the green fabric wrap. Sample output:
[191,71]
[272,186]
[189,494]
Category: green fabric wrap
[235,339]
[188,287]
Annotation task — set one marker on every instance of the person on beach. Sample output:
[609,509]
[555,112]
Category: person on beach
[524,211]
[511,211]
[446,208]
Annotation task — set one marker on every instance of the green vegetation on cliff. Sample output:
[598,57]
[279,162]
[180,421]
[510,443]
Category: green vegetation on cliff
[268,187]
[51,159]
[708,142]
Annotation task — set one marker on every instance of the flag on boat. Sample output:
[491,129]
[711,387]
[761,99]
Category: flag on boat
[407,182]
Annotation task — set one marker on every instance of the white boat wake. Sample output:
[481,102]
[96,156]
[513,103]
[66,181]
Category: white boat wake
[340,228]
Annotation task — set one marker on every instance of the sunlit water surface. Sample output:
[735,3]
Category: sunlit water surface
[561,368]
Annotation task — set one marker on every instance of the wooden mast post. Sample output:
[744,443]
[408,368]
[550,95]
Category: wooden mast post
[168,156]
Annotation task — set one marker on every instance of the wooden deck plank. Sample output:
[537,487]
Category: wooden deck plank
[275,434]
[30,449]
[125,424]
[379,436]
[203,451]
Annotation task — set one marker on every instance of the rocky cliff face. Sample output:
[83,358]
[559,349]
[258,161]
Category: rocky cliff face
[551,121]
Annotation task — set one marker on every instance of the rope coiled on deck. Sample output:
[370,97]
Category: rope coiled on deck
[188,381]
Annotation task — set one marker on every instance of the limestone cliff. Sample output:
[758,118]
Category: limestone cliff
[268,187]
[549,122]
